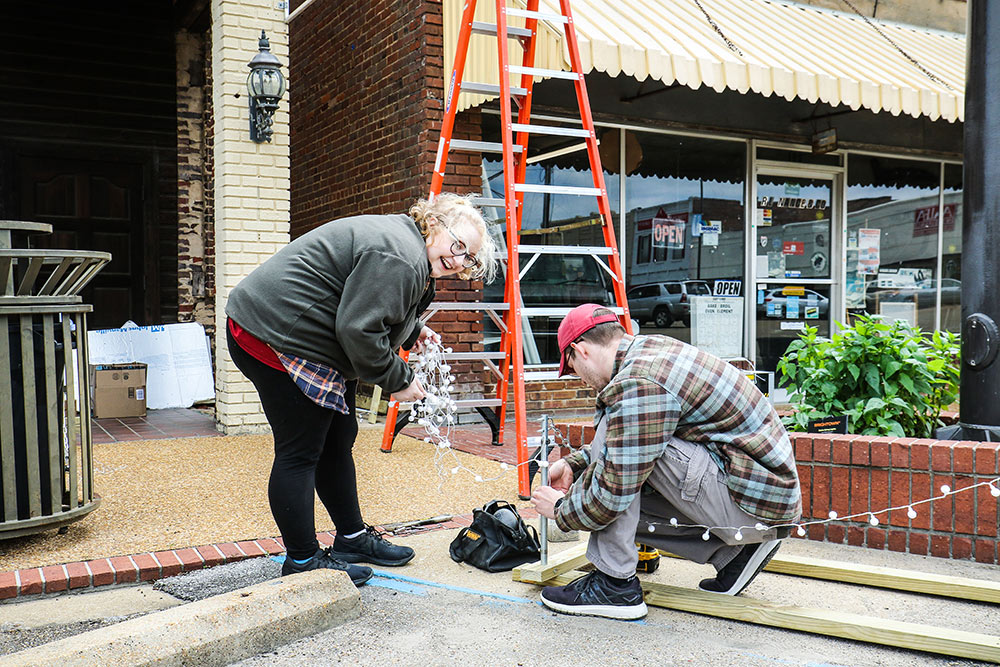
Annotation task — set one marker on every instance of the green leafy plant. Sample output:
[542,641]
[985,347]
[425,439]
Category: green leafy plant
[888,378]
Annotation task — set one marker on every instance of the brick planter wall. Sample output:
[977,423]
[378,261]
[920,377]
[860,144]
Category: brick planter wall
[850,474]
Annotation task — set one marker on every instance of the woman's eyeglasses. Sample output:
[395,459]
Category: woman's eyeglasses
[459,249]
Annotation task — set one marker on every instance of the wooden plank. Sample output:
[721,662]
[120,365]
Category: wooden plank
[8,477]
[564,561]
[30,418]
[71,410]
[926,583]
[886,577]
[55,459]
[873,630]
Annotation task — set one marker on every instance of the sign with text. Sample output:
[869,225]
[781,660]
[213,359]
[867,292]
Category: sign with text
[727,287]
[668,233]
[829,425]
[717,325]
[925,220]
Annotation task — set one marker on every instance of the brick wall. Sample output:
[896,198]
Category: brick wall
[365,126]
[851,474]
[194,302]
[251,184]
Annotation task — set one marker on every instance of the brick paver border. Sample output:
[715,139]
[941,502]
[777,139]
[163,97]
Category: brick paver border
[146,567]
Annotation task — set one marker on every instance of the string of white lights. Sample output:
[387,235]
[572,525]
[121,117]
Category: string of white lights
[436,413]
[870,516]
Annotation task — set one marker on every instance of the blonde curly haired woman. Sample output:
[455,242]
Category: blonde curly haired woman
[332,307]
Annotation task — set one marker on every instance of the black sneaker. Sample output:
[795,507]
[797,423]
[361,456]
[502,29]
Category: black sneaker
[370,547]
[595,594]
[359,574]
[741,570]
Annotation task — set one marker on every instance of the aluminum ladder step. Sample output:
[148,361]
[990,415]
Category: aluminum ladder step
[541,16]
[482,28]
[476,88]
[530,375]
[547,73]
[556,311]
[553,130]
[480,146]
[525,249]
[489,202]
[557,189]
[474,356]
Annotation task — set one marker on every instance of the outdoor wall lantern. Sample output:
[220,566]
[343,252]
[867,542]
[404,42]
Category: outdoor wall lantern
[266,85]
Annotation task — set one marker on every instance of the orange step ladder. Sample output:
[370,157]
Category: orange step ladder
[514,149]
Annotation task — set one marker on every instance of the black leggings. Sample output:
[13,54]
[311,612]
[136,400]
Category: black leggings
[312,451]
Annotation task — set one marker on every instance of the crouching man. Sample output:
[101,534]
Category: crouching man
[684,441]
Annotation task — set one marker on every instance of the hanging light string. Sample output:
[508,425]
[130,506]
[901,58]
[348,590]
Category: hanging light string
[437,414]
[870,516]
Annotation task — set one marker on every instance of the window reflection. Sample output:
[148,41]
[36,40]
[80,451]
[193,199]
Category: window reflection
[684,227]
[951,249]
[892,229]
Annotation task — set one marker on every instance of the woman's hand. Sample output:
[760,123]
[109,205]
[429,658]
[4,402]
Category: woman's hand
[426,334]
[414,392]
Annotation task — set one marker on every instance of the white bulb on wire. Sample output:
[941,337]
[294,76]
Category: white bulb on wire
[994,491]
[673,521]
[479,478]
[945,489]
[738,535]
[911,513]
[801,531]
[503,466]
[833,514]
[651,528]
[872,519]
[760,527]
[705,535]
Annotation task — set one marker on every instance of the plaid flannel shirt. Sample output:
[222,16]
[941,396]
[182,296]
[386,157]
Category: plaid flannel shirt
[661,387]
[323,384]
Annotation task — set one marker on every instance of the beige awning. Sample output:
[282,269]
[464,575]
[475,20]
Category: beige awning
[781,48]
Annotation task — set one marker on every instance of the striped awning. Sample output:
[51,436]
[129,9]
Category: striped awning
[768,47]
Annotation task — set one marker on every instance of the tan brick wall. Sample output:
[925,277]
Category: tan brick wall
[251,184]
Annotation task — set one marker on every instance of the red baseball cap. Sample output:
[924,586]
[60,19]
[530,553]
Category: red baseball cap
[577,322]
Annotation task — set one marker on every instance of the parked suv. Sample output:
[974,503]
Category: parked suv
[665,303]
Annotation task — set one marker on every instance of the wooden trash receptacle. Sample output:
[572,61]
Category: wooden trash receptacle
[46,446]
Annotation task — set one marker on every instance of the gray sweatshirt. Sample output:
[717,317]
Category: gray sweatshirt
[346,294]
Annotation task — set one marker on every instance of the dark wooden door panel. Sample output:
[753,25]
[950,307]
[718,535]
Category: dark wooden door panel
[93,205]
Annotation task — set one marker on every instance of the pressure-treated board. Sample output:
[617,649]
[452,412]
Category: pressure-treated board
[915,636]
[925,583]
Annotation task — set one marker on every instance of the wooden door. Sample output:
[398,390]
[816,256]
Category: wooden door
[93,205]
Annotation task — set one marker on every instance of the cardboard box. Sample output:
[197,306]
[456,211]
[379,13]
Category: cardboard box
[118,390]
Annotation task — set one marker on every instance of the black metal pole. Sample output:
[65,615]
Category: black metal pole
[980,383]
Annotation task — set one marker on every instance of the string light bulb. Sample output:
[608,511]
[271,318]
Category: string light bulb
[705,535]
[994,491]
[872,519]
[911,513]
[945,489]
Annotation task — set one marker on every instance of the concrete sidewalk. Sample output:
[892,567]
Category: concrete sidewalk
[434,611]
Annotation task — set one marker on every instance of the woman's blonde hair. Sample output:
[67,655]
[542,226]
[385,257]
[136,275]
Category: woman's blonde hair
[451,210]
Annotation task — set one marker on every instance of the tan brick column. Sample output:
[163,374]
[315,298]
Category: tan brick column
[251,184]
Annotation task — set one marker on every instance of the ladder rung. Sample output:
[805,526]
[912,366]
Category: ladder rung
[547,73]
[467,305]
[564,250]
[541,375]
[553,311]
[541,16]
[481,146]
[474,356]
[481,28]
[557,189]
[491,202]
[479,402]
[490,89]
[550,129]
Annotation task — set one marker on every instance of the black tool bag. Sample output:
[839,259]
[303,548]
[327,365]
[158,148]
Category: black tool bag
[496,543]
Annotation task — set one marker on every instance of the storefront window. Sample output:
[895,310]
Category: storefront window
[892,229]
[951,250]
[685,232]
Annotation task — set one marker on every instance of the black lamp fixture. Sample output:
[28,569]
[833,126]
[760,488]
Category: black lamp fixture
[265,85]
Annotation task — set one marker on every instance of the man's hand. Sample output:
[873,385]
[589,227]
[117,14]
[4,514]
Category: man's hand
[544,499]
[425,334]
[560,476]
[414,392]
